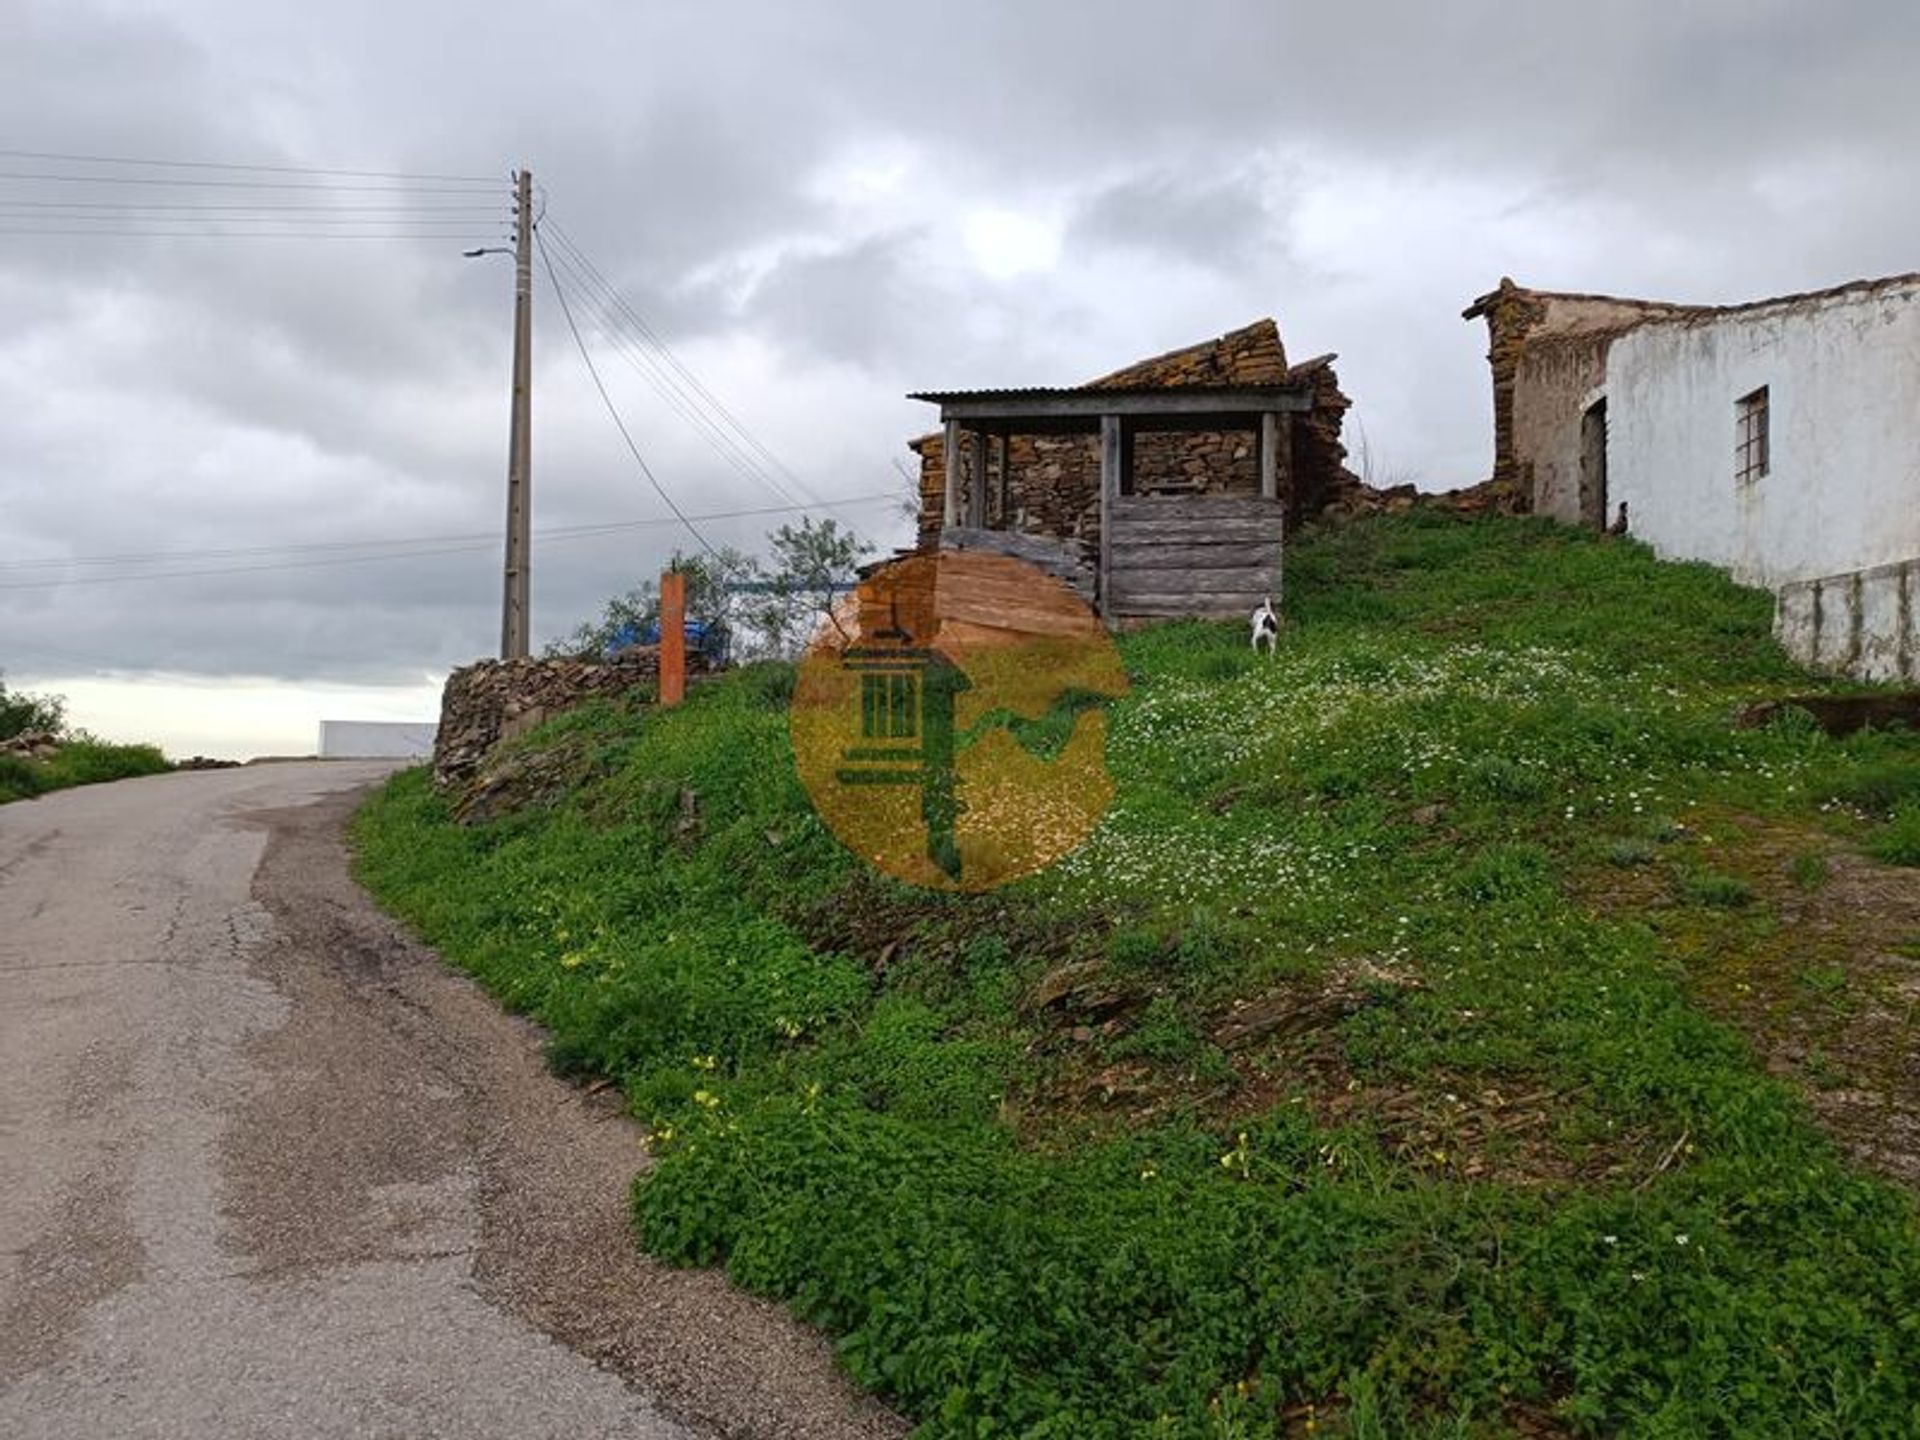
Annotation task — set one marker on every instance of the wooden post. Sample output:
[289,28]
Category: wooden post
[953,475]
[977,489]
[1110,477]
[673,637]
[1269,456]
[997,497]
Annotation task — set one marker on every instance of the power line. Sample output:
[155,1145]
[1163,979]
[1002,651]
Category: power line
[221,165]
[422,546]
[623,327]
[649,344]
[108,222]
[432,188]
[643,364]
[607,400]
[701,397]
[415,207]
[452,236]
[666,351]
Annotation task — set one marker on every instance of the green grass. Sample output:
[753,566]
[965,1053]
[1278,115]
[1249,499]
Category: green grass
[77,762]
[1106,1217]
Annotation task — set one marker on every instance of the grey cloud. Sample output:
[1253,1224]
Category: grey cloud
[162,394]
[860,303]
[1214,223]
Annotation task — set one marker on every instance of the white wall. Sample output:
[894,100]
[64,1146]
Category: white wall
[1843,380]
[376,739]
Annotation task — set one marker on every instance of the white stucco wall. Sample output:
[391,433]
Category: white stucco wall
[1843,381]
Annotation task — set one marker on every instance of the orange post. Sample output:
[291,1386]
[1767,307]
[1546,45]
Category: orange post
[673,637]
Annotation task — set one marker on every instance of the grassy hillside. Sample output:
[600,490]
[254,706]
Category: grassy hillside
[78,762]
[1404,1055]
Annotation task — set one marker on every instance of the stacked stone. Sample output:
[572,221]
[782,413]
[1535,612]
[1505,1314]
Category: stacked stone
[32,745]
[1319,480]
[1252,355]
[1206,462]
[1052,489]
[496,700]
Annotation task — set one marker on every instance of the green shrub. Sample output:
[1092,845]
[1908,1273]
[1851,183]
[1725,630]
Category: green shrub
[20,778]
[1898,841]
[1809,871]
[1630,853]
[1724,892]
[1881,786]
[1503,874]
[21,712]
[91,762]
[78,761]
[1161,1033]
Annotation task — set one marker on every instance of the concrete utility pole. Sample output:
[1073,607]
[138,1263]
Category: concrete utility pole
[516,606]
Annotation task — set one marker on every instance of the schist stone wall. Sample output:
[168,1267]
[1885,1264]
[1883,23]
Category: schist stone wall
[1548,355]
[1049,485]
[493,701]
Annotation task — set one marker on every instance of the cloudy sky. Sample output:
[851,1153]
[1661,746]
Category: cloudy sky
[251,476]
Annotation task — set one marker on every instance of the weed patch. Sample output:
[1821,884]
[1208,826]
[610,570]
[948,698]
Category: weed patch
[1318,1083]
[79,761]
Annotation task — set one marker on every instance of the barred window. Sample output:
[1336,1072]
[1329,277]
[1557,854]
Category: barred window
[1750,430]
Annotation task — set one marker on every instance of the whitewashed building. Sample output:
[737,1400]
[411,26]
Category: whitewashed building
[1779,440]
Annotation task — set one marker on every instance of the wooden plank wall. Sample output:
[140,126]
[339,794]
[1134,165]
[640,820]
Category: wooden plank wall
[1207,555]
[1057,558]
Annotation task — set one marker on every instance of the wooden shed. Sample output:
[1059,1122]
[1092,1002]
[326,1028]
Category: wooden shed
[1162,490]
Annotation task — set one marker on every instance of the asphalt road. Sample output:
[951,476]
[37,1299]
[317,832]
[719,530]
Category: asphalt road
[268,1169]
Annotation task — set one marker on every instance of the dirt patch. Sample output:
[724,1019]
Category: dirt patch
[1284,1047]
[1821,970]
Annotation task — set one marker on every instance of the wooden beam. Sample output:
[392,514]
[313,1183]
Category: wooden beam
[1270,456]
[1110,471]
[953,473]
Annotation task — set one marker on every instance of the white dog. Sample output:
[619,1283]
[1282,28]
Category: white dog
[1266,626]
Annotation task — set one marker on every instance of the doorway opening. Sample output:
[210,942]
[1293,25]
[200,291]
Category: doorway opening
[1593,465]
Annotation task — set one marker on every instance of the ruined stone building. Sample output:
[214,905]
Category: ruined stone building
[1162,489]
[1779,440]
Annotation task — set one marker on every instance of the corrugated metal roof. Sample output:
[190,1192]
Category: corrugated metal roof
[1105,392]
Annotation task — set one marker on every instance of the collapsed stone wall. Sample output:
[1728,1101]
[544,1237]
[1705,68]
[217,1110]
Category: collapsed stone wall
[492,701]
[1547,352]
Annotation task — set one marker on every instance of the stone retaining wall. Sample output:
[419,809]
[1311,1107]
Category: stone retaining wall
[496,700]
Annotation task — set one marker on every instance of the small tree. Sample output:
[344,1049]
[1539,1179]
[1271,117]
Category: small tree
[812,565]
[21,712]
[711,600]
